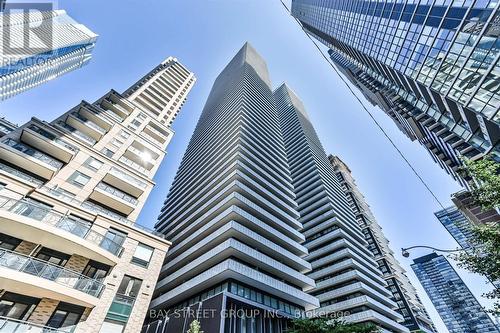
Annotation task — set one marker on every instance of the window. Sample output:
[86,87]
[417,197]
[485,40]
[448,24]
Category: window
[113,240]
[78,179]
[53,256]
[107,152]
[142,255]
[111,327]
[130,286]
[66,315]
[17,306]
[93,164]
[124,134]
[8,242]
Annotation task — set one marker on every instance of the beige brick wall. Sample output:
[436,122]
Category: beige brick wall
[149,276]
[43,311]
[25,247]
[77,263]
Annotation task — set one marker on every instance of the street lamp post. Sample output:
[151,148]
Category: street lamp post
[406,254]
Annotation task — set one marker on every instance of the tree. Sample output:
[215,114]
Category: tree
[195,327]
[484,255]
[485,174]
[325,325]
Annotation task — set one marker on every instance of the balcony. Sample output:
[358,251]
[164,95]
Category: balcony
[114,107]
[155,134]
[125,182]
[29,158]
[39,224]
[132,164]
[86,126]
[76,133]
[10,325]
[121,308]
[48,142]
[20,174]
[112,197]
[22,273]
[143,156]
[95,115]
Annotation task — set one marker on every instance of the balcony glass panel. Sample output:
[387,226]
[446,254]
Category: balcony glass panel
[30,151]
[20,174]
[45,214]
[10,325]
[120,174]
[117,193]
[52,137]
[77,133]
[133,164]
[89,123]
[46,270]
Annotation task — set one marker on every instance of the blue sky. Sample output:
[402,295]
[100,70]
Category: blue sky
[134,36]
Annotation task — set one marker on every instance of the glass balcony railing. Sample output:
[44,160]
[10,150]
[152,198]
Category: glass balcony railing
[11,325]
[117,193]
[89,123]
[120,174]
[121,308]
[80,228]
[48,271]
[20,174]
[80,135]
[97,110]
[134,165]
[150,138]
[30,151]
[118,106]
[52,137]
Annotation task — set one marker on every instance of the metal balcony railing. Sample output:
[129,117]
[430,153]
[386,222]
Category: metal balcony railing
[25,207]
[117,193]
[46,270]
[120,174]
[30,151]
[52,137]
[11,325]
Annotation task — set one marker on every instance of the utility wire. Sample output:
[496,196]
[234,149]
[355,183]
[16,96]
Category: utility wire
[365,108]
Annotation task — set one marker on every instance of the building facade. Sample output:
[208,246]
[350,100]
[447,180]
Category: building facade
[6,127]
[61,45]
[72,258]
[457,306]
[231,216]
[457,225]
[432,66]
[404,294]
[348,281]
[472,210]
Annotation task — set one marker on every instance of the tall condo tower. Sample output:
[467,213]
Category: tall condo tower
[348,280]
[231,215]
[72,258]
[432,66]
[457,306]
[404,294]
[54,45]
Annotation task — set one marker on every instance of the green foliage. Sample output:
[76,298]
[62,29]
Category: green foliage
[486,188]
[195,327]
[484,257]
[325,325]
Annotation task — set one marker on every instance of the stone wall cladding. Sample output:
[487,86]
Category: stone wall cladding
[43,311]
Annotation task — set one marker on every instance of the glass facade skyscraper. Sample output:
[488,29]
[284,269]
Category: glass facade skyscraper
[457,225]
[457,306]
[57,45]
[432,66]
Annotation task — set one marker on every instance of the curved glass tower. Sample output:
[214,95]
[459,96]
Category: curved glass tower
[348,281]
[231,214]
